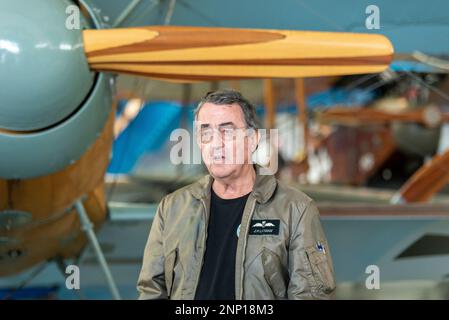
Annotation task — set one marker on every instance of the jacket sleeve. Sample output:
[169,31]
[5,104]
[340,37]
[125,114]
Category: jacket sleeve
[151,282]
[310,263]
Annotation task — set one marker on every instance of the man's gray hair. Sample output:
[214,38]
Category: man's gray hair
[229,96]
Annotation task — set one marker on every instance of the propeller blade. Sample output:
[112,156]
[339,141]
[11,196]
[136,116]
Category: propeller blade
[203,54]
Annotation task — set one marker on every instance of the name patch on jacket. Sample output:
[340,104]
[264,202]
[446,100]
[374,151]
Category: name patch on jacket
[264,227]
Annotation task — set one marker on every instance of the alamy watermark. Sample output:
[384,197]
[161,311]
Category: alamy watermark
[372,281]
[73,21]
[249,146]
[72,282]
[373,19]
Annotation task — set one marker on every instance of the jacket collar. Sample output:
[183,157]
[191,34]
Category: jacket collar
[264,187]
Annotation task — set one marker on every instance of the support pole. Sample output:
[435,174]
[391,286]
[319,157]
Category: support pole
[87,227]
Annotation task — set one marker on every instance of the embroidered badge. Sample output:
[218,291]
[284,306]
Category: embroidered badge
[264,227]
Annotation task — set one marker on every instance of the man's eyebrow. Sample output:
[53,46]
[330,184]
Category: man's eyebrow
[205,125]
[226,124]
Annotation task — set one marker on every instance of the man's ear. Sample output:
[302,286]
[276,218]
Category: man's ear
[196,134]
[255,140]
[198,140]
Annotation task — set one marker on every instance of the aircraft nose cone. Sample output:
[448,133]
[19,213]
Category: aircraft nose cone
[44,74]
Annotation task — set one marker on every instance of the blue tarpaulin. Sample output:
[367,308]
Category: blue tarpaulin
[148,132]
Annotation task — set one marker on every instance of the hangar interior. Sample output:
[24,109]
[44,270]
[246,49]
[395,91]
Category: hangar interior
[92,91]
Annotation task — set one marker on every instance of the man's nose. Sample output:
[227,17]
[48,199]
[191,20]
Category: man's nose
[217,140]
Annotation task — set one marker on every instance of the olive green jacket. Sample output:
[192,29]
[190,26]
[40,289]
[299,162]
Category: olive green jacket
[285,257]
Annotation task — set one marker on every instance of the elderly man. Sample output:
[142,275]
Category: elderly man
[235,234]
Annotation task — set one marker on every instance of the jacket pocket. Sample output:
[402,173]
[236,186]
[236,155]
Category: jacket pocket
[274,272]
[169,267]
[322,272]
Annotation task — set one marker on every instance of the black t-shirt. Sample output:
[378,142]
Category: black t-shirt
[217,278]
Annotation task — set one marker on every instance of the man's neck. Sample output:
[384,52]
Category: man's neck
[230,188]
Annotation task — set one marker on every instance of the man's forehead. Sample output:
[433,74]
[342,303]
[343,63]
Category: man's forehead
[217,114]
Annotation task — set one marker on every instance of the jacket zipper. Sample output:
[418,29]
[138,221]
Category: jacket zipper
[204,246]
[244,249]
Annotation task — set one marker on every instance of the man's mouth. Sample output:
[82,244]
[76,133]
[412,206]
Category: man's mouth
[218,157]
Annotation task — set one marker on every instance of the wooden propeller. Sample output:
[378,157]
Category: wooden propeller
[199,53]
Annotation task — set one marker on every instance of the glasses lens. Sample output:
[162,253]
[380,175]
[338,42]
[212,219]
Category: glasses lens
[206,136]
[227,133]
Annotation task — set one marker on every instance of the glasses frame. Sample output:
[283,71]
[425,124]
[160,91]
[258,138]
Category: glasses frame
[222,135]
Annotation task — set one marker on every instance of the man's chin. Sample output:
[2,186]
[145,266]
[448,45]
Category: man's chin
[221,170]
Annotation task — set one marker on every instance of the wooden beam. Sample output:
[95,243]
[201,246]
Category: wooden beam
[235,84]
[301,107]
[427,181]
[270,103]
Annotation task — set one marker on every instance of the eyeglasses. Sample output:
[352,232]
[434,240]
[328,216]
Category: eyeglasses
[227,133]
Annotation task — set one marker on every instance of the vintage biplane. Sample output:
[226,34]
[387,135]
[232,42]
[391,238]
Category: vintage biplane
[57,111]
